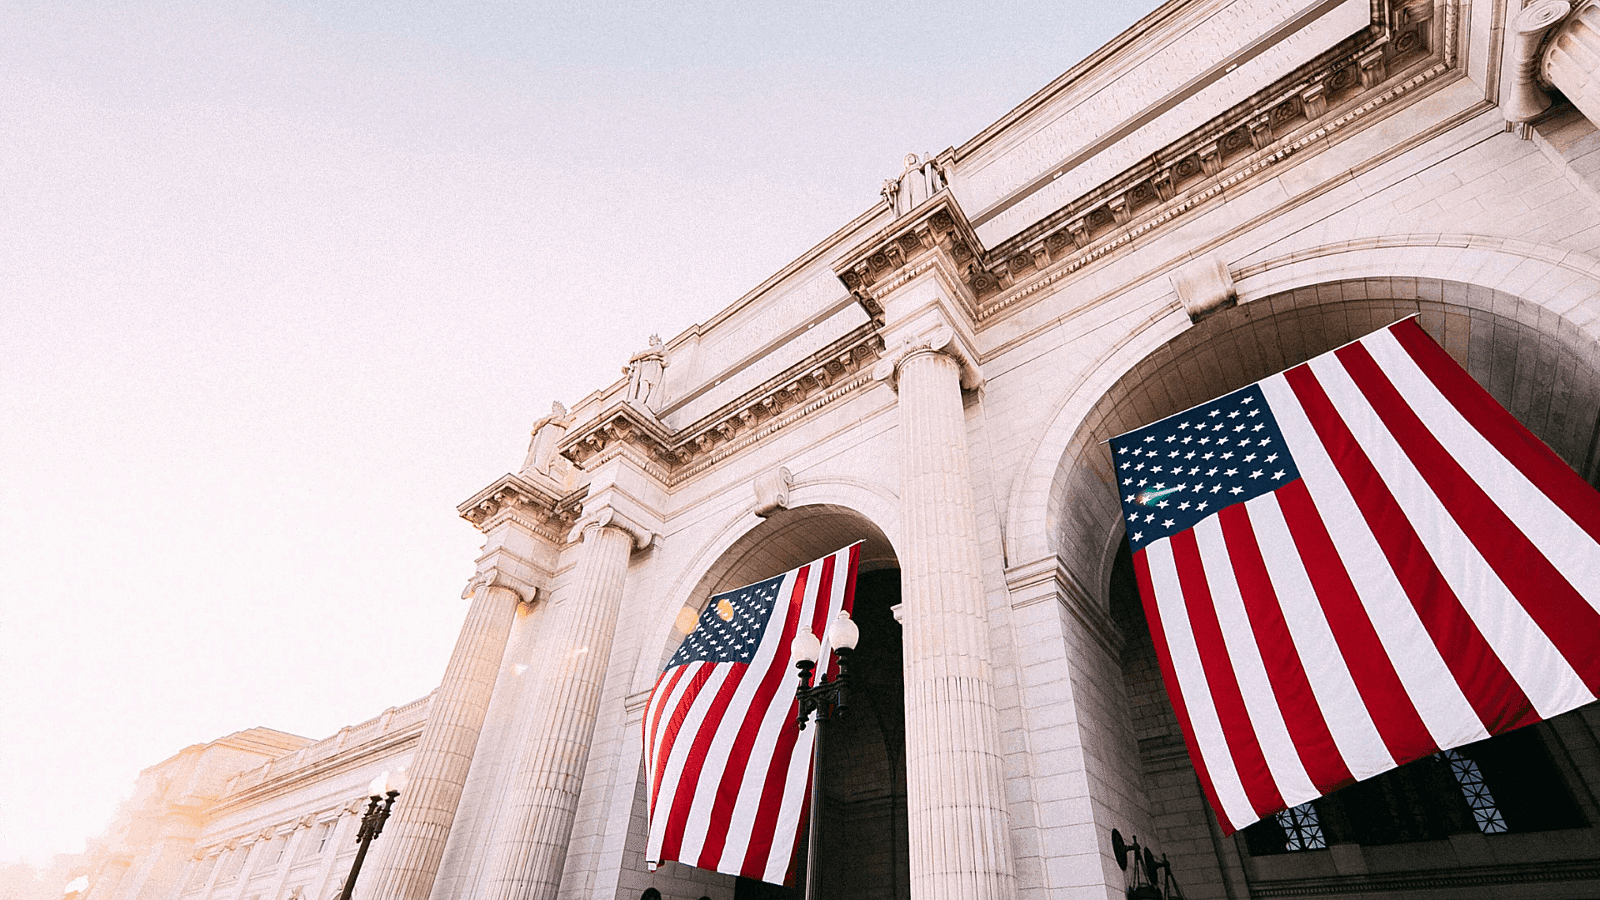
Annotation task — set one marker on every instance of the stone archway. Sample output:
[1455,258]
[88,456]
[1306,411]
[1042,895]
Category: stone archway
[1538,365]
[1542,368]
[865,851]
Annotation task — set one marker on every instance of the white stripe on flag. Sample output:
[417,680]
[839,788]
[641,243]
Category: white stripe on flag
[1349,723]
[1537,665]
[795,795]
[771,724]
[774,722]
[1244,653]
[738,711]
[1568,547]
[1427,679]
[790,810]
[661,714]
[1191,675]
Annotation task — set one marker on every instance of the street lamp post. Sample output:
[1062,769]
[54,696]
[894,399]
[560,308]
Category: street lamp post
[828,698]
[384,789]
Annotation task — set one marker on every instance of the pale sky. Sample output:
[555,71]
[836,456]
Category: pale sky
[282,283]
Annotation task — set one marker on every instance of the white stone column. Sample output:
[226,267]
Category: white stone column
[1571,60]
[414,838]
[960,843]
[529,849]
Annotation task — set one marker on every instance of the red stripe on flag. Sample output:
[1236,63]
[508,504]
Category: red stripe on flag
[1484,680]
[1158,637]
[680,712]
[767,688]
[776,784]
[1296,699]
[1396,718]
[1554,478]
[652,746]
[1560,611]
[1243,745]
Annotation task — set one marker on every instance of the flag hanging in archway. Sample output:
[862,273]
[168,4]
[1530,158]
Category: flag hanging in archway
[1355,563]
[727,767]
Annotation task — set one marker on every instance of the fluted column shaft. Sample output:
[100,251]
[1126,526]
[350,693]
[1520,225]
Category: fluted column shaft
[960,843]
[531,846]
[414,838]
[1572,59]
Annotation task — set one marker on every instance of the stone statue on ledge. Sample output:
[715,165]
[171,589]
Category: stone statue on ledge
[644,371]
[920,180]
[547,434]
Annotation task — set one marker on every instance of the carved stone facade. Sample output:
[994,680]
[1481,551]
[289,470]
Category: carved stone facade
[1224,191]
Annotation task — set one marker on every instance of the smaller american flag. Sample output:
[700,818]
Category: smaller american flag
[728,769]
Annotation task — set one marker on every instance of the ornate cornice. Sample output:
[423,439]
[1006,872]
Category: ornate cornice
[914,244]
[624,424]
[512,498]
[1408,46]
[673,456]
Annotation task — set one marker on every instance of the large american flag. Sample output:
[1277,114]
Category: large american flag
[728,768]
[1353,564]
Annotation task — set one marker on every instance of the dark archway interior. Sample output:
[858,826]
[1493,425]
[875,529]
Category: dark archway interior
[865,850]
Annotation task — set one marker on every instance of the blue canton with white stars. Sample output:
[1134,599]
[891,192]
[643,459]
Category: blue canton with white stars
[1174,473]
[730,629]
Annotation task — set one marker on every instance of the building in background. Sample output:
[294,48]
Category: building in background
[1228,188]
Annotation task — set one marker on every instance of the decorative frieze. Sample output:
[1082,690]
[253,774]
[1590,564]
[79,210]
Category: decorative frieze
[671,456]
[1329,94]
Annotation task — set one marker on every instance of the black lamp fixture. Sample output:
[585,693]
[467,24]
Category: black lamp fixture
[828,698]
[383,790]
[1146,869]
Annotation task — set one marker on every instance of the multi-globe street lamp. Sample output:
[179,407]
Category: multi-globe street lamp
[383,790]
[828,698]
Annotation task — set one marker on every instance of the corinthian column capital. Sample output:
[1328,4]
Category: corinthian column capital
[641,534]
[1570,53]
[936,336]
[495,576]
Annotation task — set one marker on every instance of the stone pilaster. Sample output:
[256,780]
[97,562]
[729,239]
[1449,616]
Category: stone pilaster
[214,874]
[414,839]
[529,850]
[327,881]
[1571,60]
[291,850]
[955,790]
[253,852]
